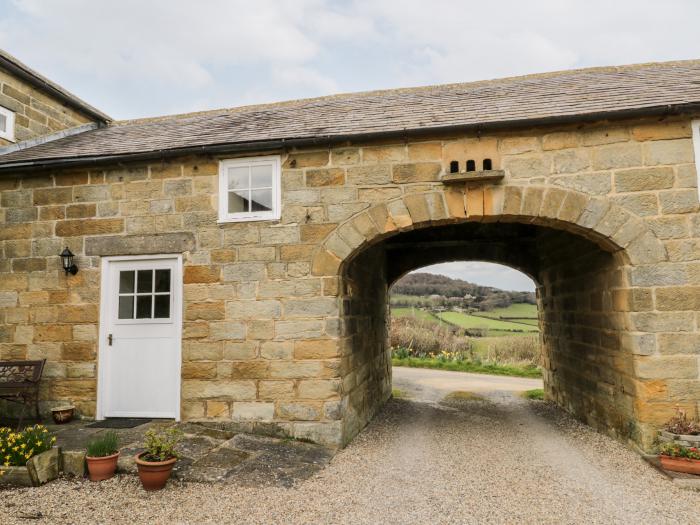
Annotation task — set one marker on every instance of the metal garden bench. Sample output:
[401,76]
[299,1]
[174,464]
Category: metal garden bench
[19,383]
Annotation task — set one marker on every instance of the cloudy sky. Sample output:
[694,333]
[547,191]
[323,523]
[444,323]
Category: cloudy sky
[136,58]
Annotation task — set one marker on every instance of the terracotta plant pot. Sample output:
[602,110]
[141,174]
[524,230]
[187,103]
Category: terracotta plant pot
[154,474]
[102,467]
[62,414]
[689,466]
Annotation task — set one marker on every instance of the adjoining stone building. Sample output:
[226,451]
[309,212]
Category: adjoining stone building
[235,264]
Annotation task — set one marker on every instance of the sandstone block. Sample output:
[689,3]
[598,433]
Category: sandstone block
[663,321]
[644,179]
[319,389]
[227,330]
[228,389]
[325,177]
[199,370]
[325,433]
[679,151]
[679,343]
[244,271]
[319,307]
[43,197]
[306,159]
[314,233]
[345,156]
[73,463]
[253,411]
[217,409]
[416,172]
[298,411]
[325,263]
[377,154]
[525,167]
[560,140]
[235,351]
[661,131]
[425,151]
[295,369]
[276,350]
[667,367]
[316,349]
[678,201]
[369,175]
[616,156]
[678,298]
[202,351]
[276,389]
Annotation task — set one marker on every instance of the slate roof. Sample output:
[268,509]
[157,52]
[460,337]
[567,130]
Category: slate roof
[586,94]
[23,71]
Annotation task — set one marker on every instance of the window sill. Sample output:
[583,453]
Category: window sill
[247,219]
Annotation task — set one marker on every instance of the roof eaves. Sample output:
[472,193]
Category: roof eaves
[276,144]
[21,70]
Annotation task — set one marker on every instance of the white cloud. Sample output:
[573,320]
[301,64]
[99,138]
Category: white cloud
[135,58]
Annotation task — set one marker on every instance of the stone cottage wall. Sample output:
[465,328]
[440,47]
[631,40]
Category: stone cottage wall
[36,114]
[275,337]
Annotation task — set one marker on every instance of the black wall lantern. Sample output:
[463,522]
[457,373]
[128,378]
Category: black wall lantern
[67,260]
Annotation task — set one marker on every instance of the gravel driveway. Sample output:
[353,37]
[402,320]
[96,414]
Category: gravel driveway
[495,459]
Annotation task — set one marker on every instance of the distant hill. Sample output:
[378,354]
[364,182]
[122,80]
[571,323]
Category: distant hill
[481,297]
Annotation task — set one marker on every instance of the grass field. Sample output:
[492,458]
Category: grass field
[488,323]
[514,310]
[468,366]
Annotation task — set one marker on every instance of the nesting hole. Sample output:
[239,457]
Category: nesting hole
[471,165]
[454,167]
[488,165]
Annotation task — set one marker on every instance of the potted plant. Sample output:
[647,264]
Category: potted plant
[681,430]
[156,463]
[679,458]
[102,455]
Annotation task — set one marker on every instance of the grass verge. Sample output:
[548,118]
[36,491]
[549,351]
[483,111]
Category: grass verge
[467,366]
[461,395]
[536,393]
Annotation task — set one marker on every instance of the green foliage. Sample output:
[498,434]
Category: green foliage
[397,393]
[485,323]
[679,451]
[468,366]
[535,393]
[16,448]
[103,445]
[160,444]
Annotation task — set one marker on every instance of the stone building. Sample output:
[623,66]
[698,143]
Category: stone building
[234,264]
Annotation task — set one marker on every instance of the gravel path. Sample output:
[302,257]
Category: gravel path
[500,459]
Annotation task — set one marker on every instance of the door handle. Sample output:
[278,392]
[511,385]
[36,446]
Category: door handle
[109,339]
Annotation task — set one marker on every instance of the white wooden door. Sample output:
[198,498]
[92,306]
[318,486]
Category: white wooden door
[140,338]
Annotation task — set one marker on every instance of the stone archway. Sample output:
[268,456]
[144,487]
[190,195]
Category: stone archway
[581,250]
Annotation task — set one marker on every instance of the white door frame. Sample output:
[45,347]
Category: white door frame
[104,312]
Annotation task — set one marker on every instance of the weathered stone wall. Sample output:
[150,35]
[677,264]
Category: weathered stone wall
[36,113]
[365,349]
[279,332]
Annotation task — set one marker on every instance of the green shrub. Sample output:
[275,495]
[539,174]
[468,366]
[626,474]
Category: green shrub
[16,448]
[160,444]
[679,451]
[536,393]
[103,445]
